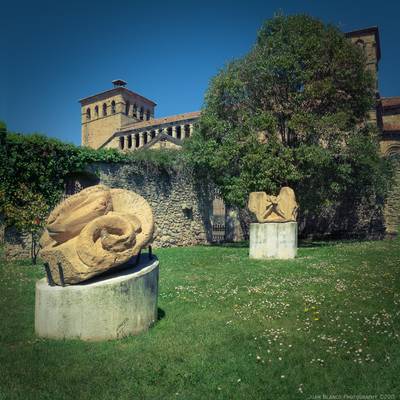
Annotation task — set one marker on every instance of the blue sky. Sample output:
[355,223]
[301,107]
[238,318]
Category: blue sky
[57,52]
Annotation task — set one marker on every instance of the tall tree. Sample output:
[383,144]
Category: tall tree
[291,112]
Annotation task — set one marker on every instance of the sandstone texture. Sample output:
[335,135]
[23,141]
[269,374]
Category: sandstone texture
[268,208]
[93,231]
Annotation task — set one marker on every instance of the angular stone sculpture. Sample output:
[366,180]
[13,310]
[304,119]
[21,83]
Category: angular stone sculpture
[93,231]
[268,208]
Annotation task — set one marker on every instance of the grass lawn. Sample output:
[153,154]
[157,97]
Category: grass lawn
[324,324]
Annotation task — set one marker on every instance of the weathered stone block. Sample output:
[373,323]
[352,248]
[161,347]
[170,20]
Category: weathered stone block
[273,240]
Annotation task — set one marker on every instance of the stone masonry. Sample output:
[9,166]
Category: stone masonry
[392,206]
[182,209]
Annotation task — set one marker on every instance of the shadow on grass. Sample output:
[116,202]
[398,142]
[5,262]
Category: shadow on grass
[303,243]
[234,245]
[313,244]
[327,242]
[160,314]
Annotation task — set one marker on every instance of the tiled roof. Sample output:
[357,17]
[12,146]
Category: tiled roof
[163,136]
[391,127]
[390,101]
[159,121]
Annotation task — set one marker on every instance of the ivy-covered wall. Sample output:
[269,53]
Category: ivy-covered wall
[36,170]
[36,173]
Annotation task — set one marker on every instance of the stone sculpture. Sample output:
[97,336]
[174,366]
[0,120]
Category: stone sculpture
[268,208]
[93,231]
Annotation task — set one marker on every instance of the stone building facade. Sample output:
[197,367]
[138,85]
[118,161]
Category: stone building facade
[182,207]
[119,118]
[185,212]
[130,124]
[122,119]
[390,147]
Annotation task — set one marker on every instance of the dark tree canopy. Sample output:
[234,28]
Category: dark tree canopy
[291,112]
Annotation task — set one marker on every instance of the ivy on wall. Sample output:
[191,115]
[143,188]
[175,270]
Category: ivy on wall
[33,169]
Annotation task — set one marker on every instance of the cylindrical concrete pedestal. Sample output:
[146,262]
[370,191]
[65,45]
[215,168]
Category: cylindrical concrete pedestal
[107,307]
[273,240]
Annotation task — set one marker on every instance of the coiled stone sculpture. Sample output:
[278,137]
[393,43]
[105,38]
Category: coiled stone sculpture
[93,231]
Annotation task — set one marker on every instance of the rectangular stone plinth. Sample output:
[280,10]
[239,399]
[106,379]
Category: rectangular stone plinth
[273,240]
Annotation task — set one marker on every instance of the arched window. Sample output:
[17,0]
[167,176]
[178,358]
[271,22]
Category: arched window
[96,111]
[129,141]
[145,138]
[104,109]
[141,113]
[135,110]
[153,134]
[169,130]
[113,107]
[127,107]
[148,115]
[360,43]
[88,114]
[137,140]
[121,142]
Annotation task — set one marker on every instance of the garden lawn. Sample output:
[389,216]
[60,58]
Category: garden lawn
[324,324]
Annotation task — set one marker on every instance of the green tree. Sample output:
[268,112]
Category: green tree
[291,112]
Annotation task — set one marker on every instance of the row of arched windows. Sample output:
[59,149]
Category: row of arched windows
[142,113]
[104,111]
[134,140]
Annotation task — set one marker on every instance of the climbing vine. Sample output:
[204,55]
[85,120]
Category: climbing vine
[33,169]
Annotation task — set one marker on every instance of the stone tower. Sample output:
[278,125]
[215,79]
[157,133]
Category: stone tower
[368,40]
[108,112]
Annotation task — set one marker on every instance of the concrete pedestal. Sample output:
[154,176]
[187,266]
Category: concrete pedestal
[107,307]
[273,240]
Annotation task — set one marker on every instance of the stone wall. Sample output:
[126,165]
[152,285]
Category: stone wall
[392,207]
[182,207]
[16,244]
[183,210]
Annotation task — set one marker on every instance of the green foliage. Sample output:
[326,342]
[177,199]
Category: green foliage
[41,164]
[291,112]
[167,160]
[33,169]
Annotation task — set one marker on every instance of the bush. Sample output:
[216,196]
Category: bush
[33,169]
